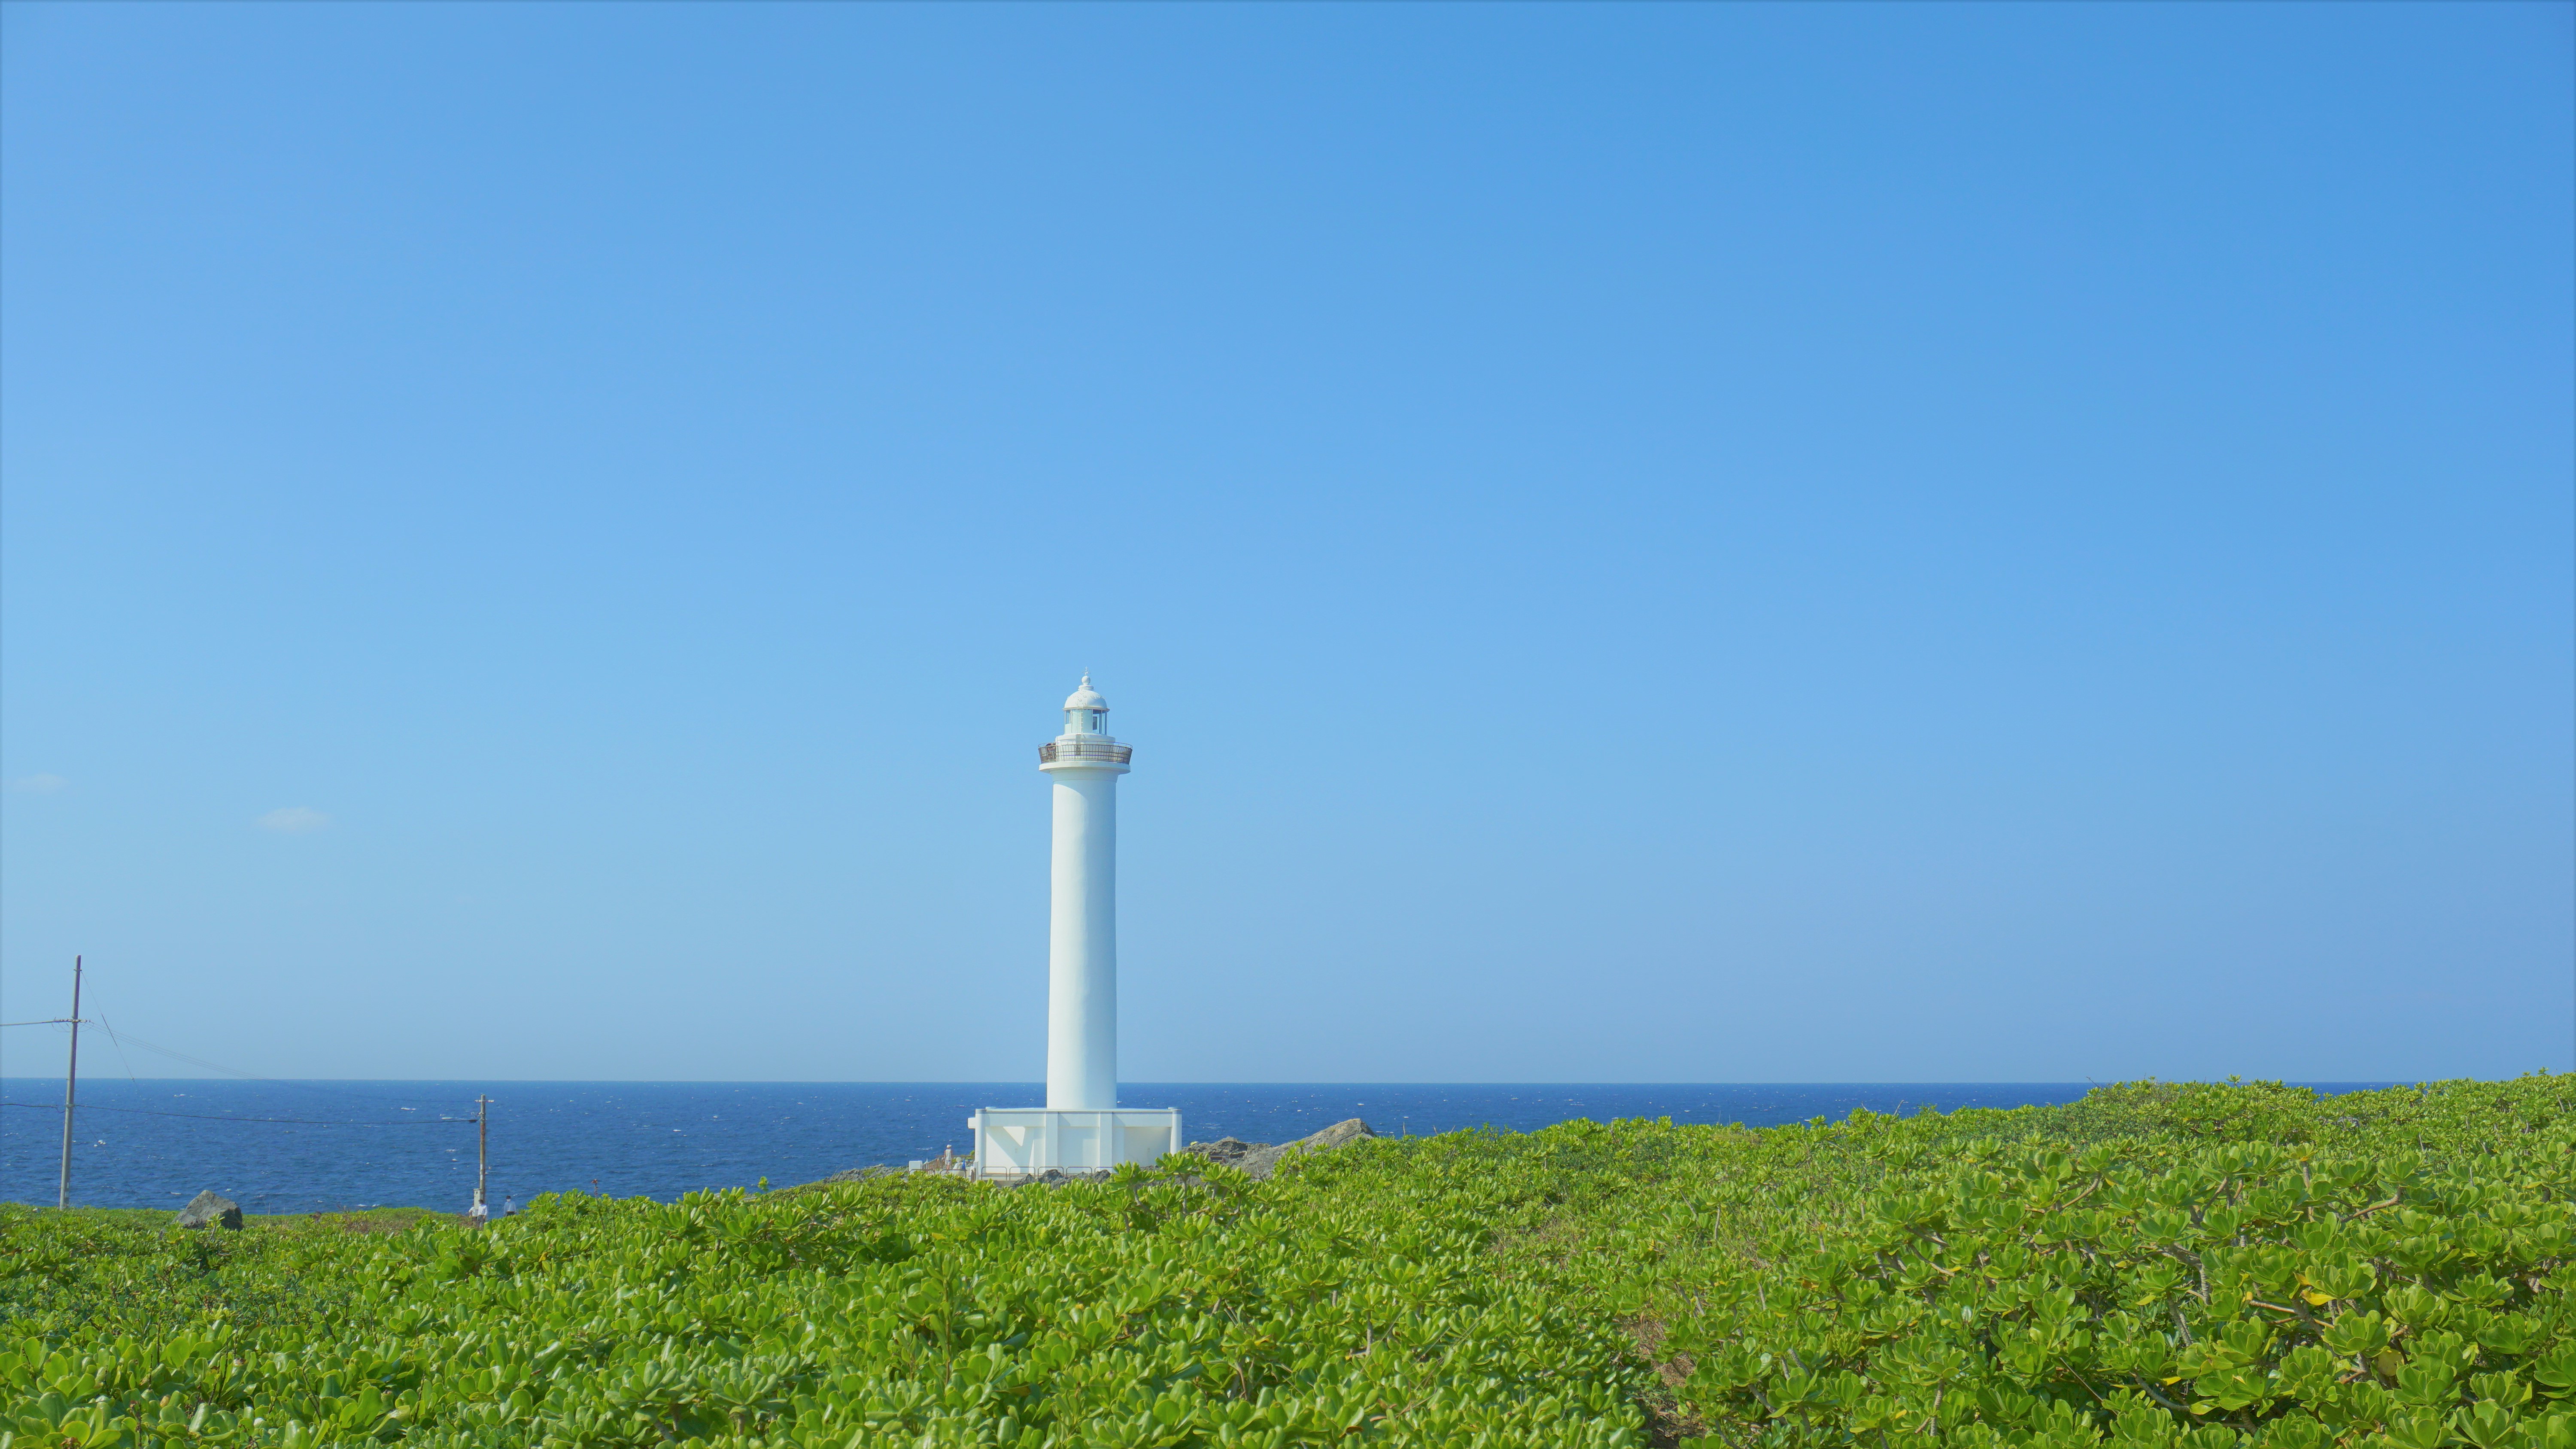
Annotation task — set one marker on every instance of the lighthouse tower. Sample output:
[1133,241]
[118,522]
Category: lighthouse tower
[1082,914]
[1081,1127]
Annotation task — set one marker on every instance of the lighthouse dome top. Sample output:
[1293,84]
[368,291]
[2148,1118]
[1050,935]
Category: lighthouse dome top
[1085,743]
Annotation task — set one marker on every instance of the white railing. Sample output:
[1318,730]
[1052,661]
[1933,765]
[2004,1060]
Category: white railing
[1055,750]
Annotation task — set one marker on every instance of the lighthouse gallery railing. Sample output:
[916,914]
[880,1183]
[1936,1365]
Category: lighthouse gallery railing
[1051,752]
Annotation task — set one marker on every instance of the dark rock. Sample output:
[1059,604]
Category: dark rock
[1260,1162]
[845,1175]
[1058,1177]
[207,1210]
[1226,1150]
[856,1174]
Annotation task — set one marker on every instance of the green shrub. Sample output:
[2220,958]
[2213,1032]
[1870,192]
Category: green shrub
[2159,1266]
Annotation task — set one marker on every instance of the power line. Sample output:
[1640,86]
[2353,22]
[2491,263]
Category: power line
[291,1085]
[196,1061]
[206,1117]
[121,1057]
[121,1038]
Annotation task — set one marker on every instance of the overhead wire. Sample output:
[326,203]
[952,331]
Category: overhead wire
[199,1061]
[210,1117]
[118,1039]
[121,1058]
[196,1061]
[213,1066]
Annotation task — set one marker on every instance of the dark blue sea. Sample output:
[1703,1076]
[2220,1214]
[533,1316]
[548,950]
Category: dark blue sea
[286,1147]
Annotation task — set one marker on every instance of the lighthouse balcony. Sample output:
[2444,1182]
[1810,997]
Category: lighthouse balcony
[1078,749]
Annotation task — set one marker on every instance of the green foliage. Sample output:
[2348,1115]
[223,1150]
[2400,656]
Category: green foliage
[2160,1266]
[1148,1311]
[2156,1267]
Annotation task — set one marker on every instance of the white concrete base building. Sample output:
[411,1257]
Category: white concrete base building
[1081,1128]
[1017,1141]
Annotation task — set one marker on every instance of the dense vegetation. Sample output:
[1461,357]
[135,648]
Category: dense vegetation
[2155,1267]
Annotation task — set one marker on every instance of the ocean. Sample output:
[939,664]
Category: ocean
[296,1147]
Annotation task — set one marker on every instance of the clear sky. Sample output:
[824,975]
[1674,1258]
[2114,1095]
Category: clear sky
[1633,544]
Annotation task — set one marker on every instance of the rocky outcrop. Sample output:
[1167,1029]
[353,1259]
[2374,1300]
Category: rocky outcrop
[1260,1162]
[1056,1177]
[1226,1150]
[208,1210]
[855,1174]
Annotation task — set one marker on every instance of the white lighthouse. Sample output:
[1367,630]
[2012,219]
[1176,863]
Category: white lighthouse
[1081,1127]
[1082,915]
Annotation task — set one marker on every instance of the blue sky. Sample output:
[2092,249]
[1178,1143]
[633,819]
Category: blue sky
[1634,544]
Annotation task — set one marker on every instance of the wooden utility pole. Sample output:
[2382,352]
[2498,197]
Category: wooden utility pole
[482,1159]
[71,1077]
